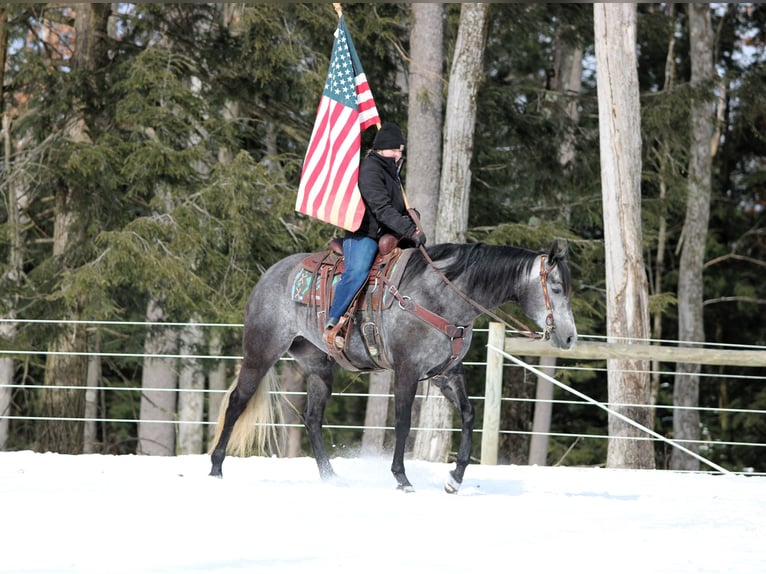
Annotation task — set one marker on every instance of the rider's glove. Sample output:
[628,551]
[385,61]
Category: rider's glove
[418,237]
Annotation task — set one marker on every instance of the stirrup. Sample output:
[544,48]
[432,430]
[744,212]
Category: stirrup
[331,337]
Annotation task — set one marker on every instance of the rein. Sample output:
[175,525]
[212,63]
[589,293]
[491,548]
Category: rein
[527,332]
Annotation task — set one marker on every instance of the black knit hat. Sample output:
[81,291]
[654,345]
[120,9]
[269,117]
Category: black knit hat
[389,136]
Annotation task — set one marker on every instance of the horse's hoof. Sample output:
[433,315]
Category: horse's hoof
[216,473]
[406,488]
[451,486]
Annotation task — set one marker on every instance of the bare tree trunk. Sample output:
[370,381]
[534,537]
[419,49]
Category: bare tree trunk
[663,166]
[12,276]
[3,48]
[158,381]
[89,440]
[433,442]
[66,365]
[6,379]
[567,81]
[191,399]
[516,415]
[686,422]
[455,184]
[541,423]
[292,381]
[8,305]
[376,415]
[464,80]
[217,384]
[626,284]
[424,131]
[424,119]
[18,200]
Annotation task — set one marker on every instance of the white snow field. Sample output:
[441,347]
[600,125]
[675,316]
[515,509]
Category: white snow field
[135,514]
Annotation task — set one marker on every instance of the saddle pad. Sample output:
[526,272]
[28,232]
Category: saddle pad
[306,284]
[302,290]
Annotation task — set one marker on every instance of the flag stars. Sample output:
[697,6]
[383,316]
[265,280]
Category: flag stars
[341,82]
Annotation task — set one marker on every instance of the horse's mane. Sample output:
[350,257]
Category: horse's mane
[489,268]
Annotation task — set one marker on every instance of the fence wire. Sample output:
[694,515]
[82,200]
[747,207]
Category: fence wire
[20,353]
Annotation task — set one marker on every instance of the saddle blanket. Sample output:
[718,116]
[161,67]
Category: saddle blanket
[307,291]
[319,274]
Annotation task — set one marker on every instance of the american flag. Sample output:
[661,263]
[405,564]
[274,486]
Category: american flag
[328,189]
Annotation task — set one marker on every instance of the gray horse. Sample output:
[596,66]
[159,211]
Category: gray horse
[479,277]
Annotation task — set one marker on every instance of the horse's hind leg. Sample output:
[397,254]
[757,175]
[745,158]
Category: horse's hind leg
[263,345]
[319,378]
[452,386]
[247,383]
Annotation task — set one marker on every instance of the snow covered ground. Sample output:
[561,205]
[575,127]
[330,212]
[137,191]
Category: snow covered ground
[130,514]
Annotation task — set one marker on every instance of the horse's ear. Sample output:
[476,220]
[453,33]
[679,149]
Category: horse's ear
[558,249]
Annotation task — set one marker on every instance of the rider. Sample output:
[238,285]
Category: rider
[386,212]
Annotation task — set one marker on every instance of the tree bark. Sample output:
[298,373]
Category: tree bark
[90,433]
[566,82]
[686,422]
[626,283]
[464,79]
[158,381]
[12,276]
[424,119]
[663,167]
[217,385]
[424,129]
[376,415]
[3,50]
[541,421]
[292,381]
[454,188]
[191,400]
[67,363]
[424,133]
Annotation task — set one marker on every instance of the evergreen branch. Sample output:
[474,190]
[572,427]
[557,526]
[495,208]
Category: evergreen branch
[738,299]
[736,257]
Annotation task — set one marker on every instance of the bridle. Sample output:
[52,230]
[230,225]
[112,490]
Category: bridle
[458,333]
[550,323]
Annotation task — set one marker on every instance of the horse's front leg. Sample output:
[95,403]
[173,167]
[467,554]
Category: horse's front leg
[404,397]
[453,388]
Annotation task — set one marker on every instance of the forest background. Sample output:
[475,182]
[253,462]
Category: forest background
[149,175]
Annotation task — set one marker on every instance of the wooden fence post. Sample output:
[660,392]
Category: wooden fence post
[490,433]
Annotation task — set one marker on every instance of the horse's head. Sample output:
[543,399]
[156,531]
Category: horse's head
[546,296]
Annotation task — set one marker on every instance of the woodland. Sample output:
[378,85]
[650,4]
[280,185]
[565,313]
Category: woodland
[151,159]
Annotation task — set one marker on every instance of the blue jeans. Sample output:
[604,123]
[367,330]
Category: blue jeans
[358,254]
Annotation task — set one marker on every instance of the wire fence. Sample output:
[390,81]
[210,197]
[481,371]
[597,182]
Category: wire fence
[756,377]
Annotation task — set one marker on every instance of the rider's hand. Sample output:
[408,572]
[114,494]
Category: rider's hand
[418,237]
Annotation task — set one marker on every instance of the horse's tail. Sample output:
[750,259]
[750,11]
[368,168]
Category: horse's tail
[255,431]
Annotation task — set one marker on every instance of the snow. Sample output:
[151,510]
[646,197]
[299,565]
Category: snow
[114,514]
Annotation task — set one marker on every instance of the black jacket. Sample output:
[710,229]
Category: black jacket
[383,199]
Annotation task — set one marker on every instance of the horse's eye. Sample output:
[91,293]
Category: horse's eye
[556,290]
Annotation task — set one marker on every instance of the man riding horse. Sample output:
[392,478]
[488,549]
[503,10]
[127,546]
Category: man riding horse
[386,213]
